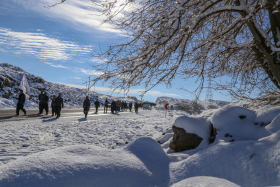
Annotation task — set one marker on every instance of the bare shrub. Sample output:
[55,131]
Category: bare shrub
[191,108]
[212,107]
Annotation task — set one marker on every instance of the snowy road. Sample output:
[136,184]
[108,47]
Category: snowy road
[35,134]
[65,114]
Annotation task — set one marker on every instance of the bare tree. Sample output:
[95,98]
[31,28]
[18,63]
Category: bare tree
[239,39]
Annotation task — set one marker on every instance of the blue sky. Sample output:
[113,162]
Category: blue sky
[56,44]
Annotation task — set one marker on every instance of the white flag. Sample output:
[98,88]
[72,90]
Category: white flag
[24,86]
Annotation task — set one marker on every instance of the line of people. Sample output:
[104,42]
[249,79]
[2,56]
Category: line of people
[116,106]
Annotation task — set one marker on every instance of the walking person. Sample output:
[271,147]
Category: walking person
[53,106]
[97,104]
[130,106]
[40,98]
[86,106]
[136,107]
[46,103]
[113,106]
[58,105]
[106,105]
[20,104]
[125,105]
[118,106]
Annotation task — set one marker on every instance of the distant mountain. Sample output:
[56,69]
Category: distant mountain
[161,101]
[10,77]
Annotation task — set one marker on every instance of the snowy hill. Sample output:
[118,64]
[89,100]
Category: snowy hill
[10,77]
[161,101]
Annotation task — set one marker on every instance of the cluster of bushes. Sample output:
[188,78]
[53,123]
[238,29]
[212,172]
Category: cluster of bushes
[194,107]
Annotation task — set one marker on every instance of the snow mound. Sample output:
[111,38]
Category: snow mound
[203,181]
[238,123]
[245,163]
[197,125]
[266,114]
[274,126]
[141,163]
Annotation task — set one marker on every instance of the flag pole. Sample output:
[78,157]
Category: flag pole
[24,86]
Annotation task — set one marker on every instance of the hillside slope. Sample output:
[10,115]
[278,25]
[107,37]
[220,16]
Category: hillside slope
[10,77]
[161,101]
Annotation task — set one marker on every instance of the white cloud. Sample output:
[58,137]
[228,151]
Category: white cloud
[58,66]
[72,11]
[77,78]
[97,60]
[90,72]
[39,45]
[55,65]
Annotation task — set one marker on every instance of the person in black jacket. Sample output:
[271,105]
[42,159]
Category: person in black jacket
[53,106]
[113,106]
[97,104]
[41,103]
[58,105]
[20,104]
[45,103]
[86,106]
[106,105]
[130,106]
[136,107]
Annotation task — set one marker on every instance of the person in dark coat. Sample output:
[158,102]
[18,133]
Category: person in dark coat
[106,105]
[86,106]
[136,107]
[41,103]
[97,104]
[118,106]
[58,105]
[20,104]
[53,106]
[113,106]
[130,106]
[125,105]
[45,103]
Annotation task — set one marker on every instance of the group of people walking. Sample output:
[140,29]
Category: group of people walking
[86,106]
[57,104]
[117,106]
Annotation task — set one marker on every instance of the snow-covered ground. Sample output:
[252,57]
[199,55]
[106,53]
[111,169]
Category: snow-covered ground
[122,150]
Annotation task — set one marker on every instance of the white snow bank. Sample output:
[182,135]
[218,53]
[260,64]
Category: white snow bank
[203,181]
[141,163]
[274,126]
[228,120]
[197,125]
[231,114]
[267,114]
[245,163]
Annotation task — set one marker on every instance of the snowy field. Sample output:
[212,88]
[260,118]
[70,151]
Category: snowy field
[21,138]
[122,150]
